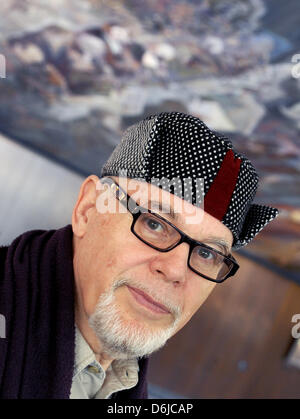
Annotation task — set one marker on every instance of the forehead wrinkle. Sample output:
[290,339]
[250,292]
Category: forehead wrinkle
[166,210]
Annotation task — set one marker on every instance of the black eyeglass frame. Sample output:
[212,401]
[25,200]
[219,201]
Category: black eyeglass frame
[125,200]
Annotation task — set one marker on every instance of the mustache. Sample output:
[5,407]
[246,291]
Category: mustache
[175,309]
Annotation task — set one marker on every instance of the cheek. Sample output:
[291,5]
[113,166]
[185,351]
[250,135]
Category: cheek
[89,280]
[101,264]
[95,264]
[127,251]
[111,262]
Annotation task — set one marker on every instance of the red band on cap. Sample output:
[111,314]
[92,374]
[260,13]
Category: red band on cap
[219,195]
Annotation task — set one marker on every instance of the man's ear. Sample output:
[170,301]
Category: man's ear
[85,202]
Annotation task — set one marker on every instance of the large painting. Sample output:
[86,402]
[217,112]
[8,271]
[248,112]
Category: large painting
[78,73]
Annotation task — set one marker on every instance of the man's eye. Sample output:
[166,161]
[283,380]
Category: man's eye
[206,254]
[154,225]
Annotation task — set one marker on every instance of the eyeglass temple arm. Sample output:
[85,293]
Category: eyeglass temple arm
[118,192]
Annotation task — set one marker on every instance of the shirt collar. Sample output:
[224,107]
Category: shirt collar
[124,371]
[84,355]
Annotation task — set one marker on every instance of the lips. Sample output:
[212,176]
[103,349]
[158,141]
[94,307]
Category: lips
[147,301]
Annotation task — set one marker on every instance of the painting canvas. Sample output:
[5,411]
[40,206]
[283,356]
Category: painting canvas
[78,73]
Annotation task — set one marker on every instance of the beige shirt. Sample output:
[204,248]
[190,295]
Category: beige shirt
[90,381]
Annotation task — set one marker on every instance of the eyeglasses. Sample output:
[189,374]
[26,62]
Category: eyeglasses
[162,235]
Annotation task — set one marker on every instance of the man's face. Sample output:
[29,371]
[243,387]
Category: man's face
[149,295]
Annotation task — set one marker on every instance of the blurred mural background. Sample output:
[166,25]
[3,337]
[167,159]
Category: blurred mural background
[77,73]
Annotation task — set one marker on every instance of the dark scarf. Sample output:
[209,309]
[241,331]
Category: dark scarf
[37,300]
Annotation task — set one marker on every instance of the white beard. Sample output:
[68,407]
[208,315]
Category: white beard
[121,338]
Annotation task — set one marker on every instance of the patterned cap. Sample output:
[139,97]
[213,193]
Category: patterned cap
[173,145]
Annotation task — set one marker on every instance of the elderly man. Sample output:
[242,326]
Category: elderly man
[86,305]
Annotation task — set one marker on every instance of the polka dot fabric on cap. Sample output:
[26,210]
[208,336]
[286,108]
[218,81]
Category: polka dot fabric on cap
[179,153]
[131,153]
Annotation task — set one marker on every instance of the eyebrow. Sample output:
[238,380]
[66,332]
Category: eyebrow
[218,241]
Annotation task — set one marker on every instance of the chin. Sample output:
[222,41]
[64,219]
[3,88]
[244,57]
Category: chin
[127,338]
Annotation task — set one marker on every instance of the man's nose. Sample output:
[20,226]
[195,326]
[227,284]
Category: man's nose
[172,266]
